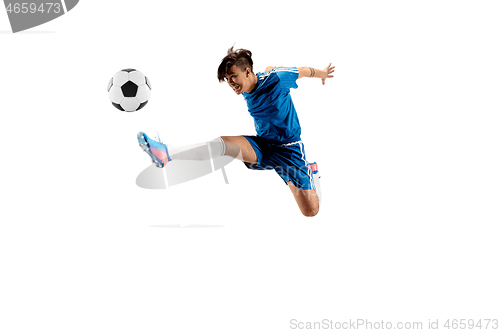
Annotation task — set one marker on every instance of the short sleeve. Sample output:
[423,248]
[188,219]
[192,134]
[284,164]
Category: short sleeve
[288,77]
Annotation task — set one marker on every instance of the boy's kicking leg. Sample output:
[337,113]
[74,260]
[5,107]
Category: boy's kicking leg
[238,147]
[234,146]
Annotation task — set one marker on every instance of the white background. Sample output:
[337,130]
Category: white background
[406,137]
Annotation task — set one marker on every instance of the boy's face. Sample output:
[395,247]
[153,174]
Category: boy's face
[240,81]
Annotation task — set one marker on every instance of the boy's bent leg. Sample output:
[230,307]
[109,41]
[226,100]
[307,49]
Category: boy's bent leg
[238,147]
[307,200]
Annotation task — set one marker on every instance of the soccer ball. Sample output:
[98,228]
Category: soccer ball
[129,90]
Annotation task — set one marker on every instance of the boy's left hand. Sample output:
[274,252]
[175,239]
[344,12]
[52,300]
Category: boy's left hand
[327,73]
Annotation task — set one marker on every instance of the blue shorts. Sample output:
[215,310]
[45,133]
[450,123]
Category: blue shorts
[288,160]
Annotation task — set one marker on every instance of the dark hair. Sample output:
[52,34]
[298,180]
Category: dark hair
[241,58]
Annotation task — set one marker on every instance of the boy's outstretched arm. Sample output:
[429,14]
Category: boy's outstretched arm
[313,72]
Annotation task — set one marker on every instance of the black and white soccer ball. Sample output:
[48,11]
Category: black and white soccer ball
[129,90]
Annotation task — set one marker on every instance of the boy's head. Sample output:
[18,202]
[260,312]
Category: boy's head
[237,69]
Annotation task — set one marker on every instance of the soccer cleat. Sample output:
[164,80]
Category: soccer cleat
[155,149]
[313,167]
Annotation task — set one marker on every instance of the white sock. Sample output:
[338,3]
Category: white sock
[201,151]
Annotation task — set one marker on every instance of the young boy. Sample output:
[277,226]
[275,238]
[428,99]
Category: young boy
[277,144]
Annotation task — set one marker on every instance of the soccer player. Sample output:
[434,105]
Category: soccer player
[277,145]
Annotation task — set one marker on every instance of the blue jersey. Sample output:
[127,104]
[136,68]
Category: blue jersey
[271,106]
